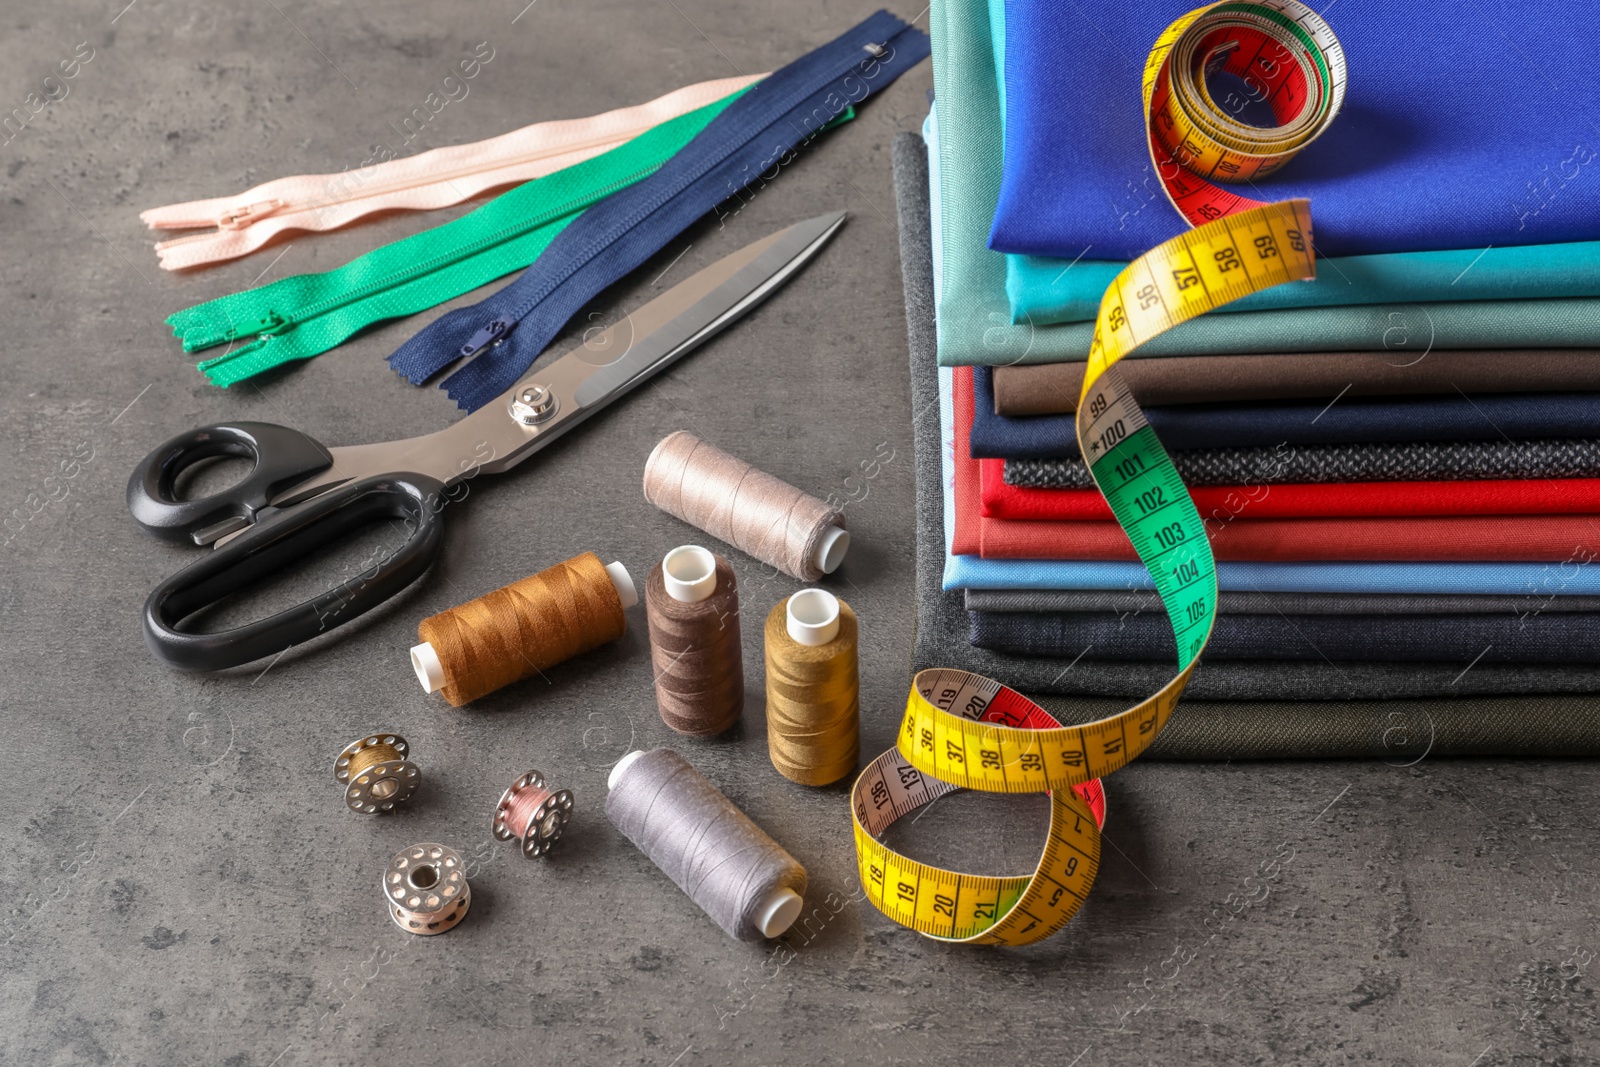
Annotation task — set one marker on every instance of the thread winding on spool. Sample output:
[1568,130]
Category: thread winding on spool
[426,889]
[813,688]
[750,509]
[519,630]
[376,773]
[533,814]
[739,876]
[692,604]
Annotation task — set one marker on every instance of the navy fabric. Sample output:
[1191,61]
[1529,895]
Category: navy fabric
[1517,416]
[742,145]
[1564,638]
[1465,125]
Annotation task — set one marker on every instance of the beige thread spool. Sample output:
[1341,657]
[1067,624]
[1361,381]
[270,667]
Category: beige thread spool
[748,508]
[692,604]
[504,636]
[425,887]
[813,688]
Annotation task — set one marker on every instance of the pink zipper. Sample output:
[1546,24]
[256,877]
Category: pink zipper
[427,181]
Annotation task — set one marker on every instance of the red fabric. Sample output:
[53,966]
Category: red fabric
[1536,538]
[1341,499]
[965,540]
[1520,539]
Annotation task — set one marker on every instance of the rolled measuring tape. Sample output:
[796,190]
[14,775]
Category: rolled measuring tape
[965,731]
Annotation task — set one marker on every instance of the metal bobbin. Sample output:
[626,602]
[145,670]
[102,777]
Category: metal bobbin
[532,813]
[426,889]
[376,773]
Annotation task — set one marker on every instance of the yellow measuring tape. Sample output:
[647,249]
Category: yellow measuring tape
[962,730]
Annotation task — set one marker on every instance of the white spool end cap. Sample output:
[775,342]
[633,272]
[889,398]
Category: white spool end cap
[624,583]
[621,766]
[835,542]
[813,617]
[779,911]
[689,573]
[430,672]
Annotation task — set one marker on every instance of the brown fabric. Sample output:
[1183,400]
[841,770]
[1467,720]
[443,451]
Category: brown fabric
[1052,388]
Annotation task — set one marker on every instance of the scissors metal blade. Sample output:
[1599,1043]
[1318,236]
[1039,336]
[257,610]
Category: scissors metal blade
[556,396]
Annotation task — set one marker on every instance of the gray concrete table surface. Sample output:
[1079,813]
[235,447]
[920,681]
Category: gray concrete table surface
[180,883]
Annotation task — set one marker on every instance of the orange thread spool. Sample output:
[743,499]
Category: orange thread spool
[521,629]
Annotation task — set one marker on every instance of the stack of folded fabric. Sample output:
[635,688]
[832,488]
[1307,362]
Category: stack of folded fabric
[1398,463]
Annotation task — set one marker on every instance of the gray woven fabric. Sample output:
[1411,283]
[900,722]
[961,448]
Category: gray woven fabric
[1431,461]
[1059,601]
[1398,732]
[1276,709]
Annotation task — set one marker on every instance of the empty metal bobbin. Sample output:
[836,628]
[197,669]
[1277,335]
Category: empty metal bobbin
[376,773]
[532,813]
[426,889]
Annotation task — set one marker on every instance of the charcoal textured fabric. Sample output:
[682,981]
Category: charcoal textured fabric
[1295,698]
[1053,388]
[1066,601]
[1420,461]
[1470,640]
[1447,139]
[1492,417]
[1398,732]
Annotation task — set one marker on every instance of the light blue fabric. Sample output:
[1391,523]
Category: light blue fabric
[1464,126]
[970,572]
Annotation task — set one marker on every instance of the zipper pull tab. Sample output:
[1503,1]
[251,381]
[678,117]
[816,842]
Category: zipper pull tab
[493,333]
[240,218]
[269,325]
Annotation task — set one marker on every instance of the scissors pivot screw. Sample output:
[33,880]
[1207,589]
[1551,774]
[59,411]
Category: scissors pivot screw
[533,404]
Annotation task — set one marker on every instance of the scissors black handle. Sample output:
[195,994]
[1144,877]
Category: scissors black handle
[282,458]
[279,541]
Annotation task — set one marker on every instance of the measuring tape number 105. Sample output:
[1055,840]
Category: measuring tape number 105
[965,731]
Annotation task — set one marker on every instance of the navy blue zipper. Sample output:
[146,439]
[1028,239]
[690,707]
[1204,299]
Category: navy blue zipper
[505,333]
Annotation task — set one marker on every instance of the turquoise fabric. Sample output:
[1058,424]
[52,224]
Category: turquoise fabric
[1044,290]
[975,320]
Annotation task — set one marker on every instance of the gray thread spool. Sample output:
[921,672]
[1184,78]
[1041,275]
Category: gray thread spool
[739,876]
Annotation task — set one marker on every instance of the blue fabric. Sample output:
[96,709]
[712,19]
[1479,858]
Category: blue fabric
[1044,290]
[1514,416]
[754,135]
[1465,125]
[970,572]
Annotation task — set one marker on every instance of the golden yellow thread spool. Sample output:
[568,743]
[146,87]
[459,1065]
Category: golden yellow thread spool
[425,887]
[813,688]
[377,773]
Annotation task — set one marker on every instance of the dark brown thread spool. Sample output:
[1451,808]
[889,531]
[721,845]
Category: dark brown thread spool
[519,630]
[692,604]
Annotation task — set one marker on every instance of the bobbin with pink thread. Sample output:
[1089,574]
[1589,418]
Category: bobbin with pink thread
[533,814]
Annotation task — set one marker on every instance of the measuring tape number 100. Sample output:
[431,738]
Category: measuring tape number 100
[964,731]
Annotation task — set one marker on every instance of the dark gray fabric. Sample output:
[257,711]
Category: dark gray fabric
[1422,461]
[1398,732]
[1264,603]
[942,624]
[1471,640]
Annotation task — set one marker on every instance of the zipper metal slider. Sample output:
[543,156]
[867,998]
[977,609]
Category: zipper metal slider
[240,218]
[269,325]
[493,333]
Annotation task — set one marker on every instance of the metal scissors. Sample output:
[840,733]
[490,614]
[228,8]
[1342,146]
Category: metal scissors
[302,495]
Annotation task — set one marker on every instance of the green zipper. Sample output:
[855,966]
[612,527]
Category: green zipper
[307,314]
